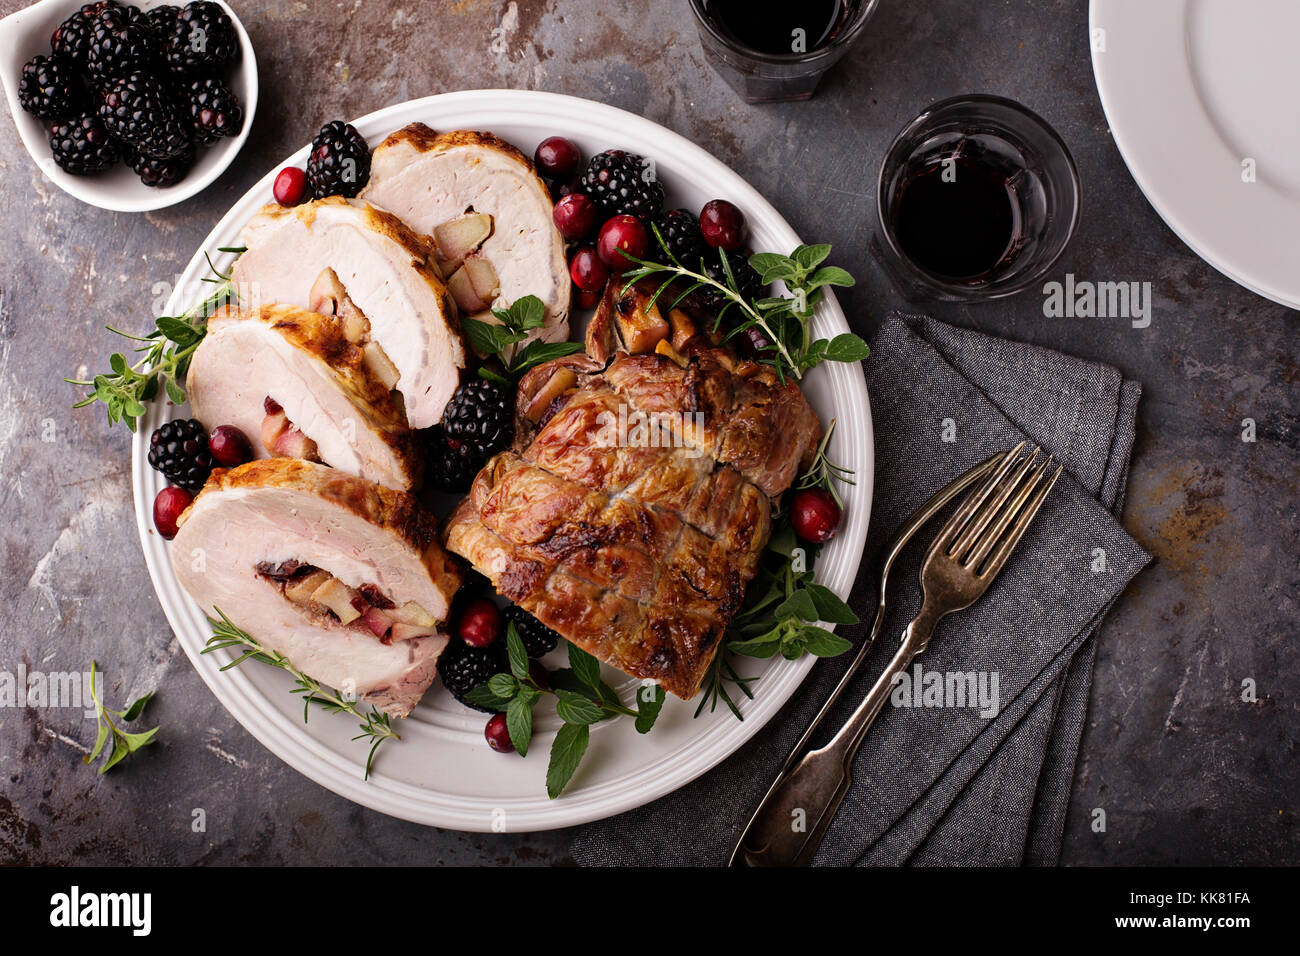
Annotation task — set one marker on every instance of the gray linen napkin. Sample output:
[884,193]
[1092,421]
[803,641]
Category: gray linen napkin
[917,763]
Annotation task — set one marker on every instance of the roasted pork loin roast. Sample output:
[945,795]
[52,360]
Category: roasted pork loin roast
[431,179]
[296,386]
[636,503]
[386,276]
[342,576]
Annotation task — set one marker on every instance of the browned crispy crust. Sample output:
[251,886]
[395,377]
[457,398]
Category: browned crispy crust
[424,140]
[640,553]
[322,336]
[385,508]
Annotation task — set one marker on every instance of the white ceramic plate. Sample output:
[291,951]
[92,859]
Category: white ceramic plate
[1194,89]
[26,33]
[441,772]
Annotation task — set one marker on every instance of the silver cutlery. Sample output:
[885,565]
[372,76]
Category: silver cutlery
[971,549]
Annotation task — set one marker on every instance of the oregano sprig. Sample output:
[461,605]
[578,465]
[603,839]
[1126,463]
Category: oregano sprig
[124,743]
[501,339]
[165,354]
[376,726]
[582,698]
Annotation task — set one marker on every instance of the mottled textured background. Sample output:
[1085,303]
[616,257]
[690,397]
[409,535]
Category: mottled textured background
[1186,771]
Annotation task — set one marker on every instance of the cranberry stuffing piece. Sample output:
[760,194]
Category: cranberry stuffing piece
[498,734]
[722,225]
[481,623]
[621,237]
[167,508]
[815,515]
[290,188]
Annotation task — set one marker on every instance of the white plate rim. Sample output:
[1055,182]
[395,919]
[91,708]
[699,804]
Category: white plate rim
[295,743]
[1177,156]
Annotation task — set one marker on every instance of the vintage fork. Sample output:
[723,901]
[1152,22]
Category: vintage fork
[970,550]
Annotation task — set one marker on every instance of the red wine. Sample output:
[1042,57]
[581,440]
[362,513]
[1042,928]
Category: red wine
[957,217]
[780,27]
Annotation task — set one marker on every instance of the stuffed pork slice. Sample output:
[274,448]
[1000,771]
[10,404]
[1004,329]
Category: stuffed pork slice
[342,576]
[332,406]
[432,179]
[387,274]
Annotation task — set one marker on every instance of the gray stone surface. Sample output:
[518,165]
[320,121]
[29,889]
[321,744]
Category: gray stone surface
[1186,771]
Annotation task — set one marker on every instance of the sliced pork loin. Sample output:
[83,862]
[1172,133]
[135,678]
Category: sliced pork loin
[429,179]
[327,392]
[388,274]
[634,508]
[310,561]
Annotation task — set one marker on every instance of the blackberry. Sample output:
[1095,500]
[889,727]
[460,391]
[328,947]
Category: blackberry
[160,21]
[462,668]
[480,415]
[179,449]
[81,145]
[748,281]
[539,640]
[71,38]
[213,110]
[680,229]
[450,465]
[139,111]
[160,173]
[623,183]
[201,39]
[120,43]
[50,88]
[339,164]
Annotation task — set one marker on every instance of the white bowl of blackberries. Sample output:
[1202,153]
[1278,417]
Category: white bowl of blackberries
[129,107]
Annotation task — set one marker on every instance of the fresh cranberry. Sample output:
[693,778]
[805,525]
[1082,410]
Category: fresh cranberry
[575,216]
[557,157]
[622,234]
[815,515]
[229,446]
[290,187]
[167,508]
[480,623]
[566,188]
[587,271]
[585,299]
[498,734]
[722,225]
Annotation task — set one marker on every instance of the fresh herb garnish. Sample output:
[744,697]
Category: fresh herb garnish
[581,699]
[501,341]
[124,744]
[376,726]
[824,473]
[167,351]
[784,320]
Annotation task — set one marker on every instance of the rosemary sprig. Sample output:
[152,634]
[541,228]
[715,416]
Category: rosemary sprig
[165,355]
[713,688]
[376,726]
[783,320]
[124,744]
[824,473]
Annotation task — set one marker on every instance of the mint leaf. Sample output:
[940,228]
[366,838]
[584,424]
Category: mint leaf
[516,652]
[483,696]
[535,353]
[585,667]
[574,708]
[829,606]
[822,643]
[649,701]
[526,313]
[489,338]
[566,753]
[504,686]
[798,605]
[519,722]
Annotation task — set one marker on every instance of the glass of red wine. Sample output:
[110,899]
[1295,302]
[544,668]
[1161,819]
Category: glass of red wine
[977,199]
[774,50]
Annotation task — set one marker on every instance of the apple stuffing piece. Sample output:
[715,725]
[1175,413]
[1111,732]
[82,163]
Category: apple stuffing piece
[458,238]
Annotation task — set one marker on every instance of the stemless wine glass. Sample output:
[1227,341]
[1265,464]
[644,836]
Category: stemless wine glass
[1041,179]
[768,77]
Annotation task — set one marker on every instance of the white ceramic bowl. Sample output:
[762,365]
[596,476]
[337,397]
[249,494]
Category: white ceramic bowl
[441,773]
[26,33]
